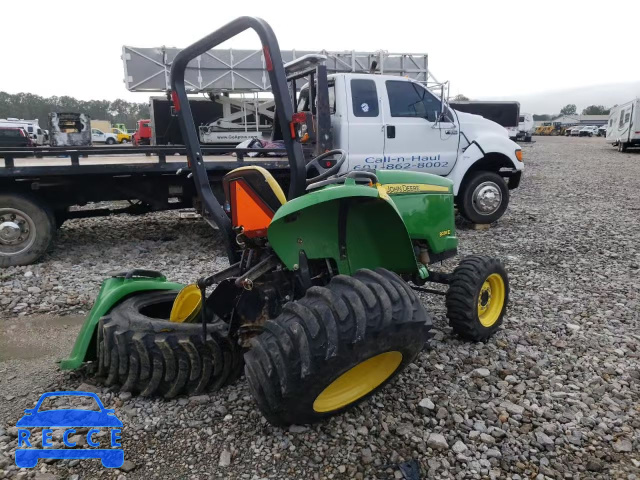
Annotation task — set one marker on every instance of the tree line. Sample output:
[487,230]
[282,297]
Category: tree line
[569,109]
[29,106]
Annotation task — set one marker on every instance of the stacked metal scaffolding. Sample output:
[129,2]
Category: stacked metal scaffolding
[237,71]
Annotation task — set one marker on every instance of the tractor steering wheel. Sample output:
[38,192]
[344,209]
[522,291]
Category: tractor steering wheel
[325,172]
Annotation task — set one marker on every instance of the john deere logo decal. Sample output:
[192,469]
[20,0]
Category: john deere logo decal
[404,188]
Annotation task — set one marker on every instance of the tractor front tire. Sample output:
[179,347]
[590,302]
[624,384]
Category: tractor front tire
[139,349]
[477,297]
[335,347]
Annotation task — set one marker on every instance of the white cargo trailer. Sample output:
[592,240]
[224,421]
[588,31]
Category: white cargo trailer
[524,130]
[623,128]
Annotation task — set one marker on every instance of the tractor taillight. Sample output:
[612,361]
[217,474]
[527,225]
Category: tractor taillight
[299,117]
[296,119]
[176,101]
[267,58]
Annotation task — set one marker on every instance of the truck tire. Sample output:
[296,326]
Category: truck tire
[335,347]
[110,141]
[622,147]
[27,229]
[477,297]
[143,352]
[484,197]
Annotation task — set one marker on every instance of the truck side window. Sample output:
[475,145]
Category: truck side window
[621,119]
[408,99]
[332,98]
[364,98]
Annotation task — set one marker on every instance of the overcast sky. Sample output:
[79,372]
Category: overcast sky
[486,48]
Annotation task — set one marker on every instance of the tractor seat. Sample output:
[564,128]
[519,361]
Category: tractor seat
[252,198]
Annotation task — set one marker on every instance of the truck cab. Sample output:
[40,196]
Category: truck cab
[121,135]
[386,122]
[142,136]
[98,136]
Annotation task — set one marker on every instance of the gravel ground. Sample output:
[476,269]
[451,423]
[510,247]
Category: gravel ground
[555,394]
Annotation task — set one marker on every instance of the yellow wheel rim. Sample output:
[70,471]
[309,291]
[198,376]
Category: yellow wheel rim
[186,305]
[491,300]
[357,382]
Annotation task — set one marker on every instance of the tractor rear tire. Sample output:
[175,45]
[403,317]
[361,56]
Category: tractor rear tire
[477,297]
[143,352]
[335,347]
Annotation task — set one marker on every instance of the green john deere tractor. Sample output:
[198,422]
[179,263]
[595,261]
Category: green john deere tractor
[318,306]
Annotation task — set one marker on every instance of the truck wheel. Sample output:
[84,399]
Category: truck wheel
[484,197]
[335,347]
[143,352]
[477,297]
[622,147]
[27,228]
[110,141]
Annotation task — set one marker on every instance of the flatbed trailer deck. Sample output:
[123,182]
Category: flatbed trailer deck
[38,187]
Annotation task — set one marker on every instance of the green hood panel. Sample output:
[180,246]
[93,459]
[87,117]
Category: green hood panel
[112,292]
[426,204]
[352,224]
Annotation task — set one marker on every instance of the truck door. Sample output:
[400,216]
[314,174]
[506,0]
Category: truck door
[366,140]
[414,138]
[97,135]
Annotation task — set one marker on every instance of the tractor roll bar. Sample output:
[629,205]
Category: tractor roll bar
[279,87]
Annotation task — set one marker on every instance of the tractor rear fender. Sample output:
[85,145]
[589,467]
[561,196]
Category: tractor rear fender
[357,226]
[113,291]
[488,152]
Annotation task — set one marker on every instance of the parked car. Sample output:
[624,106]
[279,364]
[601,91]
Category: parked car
[14,137]
[31,127]
[588,131]
[575,131]
[98,136]
[121,136]
[602,131]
